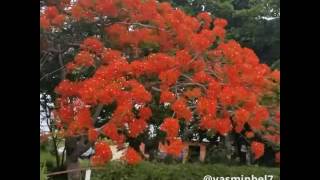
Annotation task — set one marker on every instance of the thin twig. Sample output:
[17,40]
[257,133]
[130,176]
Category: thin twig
[48,74]
[44,59]
[143,25]
[156,89]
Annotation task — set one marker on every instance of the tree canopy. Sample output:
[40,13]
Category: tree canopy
[126,65]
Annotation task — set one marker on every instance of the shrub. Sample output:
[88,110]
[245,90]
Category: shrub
[189,171]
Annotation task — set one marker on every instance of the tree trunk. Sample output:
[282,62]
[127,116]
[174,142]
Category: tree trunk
[72,159]
[75,146]
[228,144]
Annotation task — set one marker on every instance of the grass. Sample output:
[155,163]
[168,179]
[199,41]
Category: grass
[46,157]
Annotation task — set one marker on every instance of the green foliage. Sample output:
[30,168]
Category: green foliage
[43,171]
[47,159]
[148,48]
[189,171]
[81,73]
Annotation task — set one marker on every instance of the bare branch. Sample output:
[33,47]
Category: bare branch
[156,89]
[63,72]
[97,112]
[48,74]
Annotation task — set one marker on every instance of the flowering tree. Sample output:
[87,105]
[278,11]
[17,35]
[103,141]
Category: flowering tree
[144,63]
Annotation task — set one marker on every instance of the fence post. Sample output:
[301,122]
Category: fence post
[88,174]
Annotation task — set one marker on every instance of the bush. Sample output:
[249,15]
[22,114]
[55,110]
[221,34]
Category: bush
[189,171]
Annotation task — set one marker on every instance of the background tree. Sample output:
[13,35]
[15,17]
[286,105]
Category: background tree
[253,23]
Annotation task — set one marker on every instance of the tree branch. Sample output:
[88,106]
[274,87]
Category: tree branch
[63,72]
[97,112]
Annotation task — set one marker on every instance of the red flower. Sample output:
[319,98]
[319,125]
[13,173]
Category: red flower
[257,148]
[51,12]
[92,44]
[206,106]
[207,122]
[227,96]
[110,130]
[66,114]
[169,77]
[219,31]
[58,20]
[139,93]
[201,77]
[84,119]
[214,89]
[107,7]
[209,34]
[260,115]
[249,134]
[103,154]
[184,58]
[251,102]
[44,23]
[250,57]
[223,126]
[220,22]
[199,43]
[110,56]
[276,75]
[123,113]
[67,88]
[136,127]
[161,62]
[107,95]
[175,147]
[242,117]
[167,96]
[145,113]
[93,135]
[132,157]
[206,18]
[86,3]
[88,91]
[171,127]
[194,93]
[181,109]
[83,58]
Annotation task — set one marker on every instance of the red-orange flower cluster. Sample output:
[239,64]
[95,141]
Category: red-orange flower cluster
[136,127]
[51,17]
[181,109]
[175,147]
[171,127]
[155,49]
[102,155]
[131,156]
[223,126]
[167,96]
[257,148]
